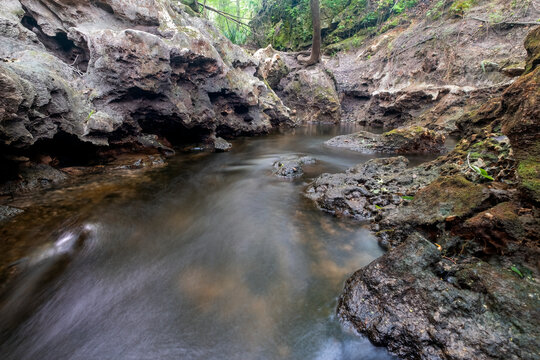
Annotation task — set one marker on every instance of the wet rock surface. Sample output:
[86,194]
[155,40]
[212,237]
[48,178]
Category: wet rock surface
[32,177]
[411,140]
[7,212]
[424,306]
[221,145]
[460,280]
[292,166]
[365,191]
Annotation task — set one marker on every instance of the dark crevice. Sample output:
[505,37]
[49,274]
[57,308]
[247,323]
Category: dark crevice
[80,153]
[60,45]
[103,6]
[241,109]
[136,93]
[169,127]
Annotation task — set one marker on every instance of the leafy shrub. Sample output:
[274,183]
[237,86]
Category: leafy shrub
[459,8]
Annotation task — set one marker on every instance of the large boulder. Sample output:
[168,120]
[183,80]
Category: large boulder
[312,93]
[272,67]
[423,306]
[107,73]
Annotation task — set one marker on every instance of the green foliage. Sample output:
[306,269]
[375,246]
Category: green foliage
[516,270]
[478,170]
[481,172]
[437,10]
[287,23]
[240,10]
[401,5]
[406,197]
[460,7]
[90,114]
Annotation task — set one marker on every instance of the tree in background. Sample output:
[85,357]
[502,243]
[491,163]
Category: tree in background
[316,43]
[232,17]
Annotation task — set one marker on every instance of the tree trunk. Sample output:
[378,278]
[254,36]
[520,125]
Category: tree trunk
[238,14]
[316,45]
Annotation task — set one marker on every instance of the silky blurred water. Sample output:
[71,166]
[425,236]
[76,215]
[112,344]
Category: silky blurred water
[212,258]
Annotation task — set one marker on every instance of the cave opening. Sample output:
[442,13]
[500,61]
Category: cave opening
[66,150]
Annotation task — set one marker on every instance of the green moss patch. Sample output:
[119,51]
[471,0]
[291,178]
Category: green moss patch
[528,172]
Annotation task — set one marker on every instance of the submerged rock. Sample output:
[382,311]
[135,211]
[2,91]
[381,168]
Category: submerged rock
[221,145]
[32,177]
[7,212]
[423,306]
[291,167]
[411,140]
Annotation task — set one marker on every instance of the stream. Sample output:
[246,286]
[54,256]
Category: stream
[212,257]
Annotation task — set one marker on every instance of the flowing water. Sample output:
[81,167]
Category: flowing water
[211,258]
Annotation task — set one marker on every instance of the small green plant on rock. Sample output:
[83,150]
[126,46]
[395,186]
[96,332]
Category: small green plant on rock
[477,169]
[90,114]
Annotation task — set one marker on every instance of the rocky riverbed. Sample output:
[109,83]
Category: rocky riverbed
[112,89]
[460,280]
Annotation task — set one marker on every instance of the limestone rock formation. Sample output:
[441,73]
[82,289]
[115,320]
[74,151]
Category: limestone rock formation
[107,72]
[309,91]
[272,67]
[312,93]
[460,279]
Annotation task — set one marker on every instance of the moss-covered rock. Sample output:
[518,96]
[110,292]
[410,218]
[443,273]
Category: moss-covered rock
[448,196]
[532,45]
[497,228]
[521,119]
[528,172]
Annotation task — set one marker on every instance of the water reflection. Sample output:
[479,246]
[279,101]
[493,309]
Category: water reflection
[211,258]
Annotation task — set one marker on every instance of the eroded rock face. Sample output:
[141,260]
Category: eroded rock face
[520,107]
[459,280]
[107,73]
[412,72]
[423,306]
[312,93]
[411,140]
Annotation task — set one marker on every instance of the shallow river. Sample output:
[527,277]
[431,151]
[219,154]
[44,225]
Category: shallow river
[211,258]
